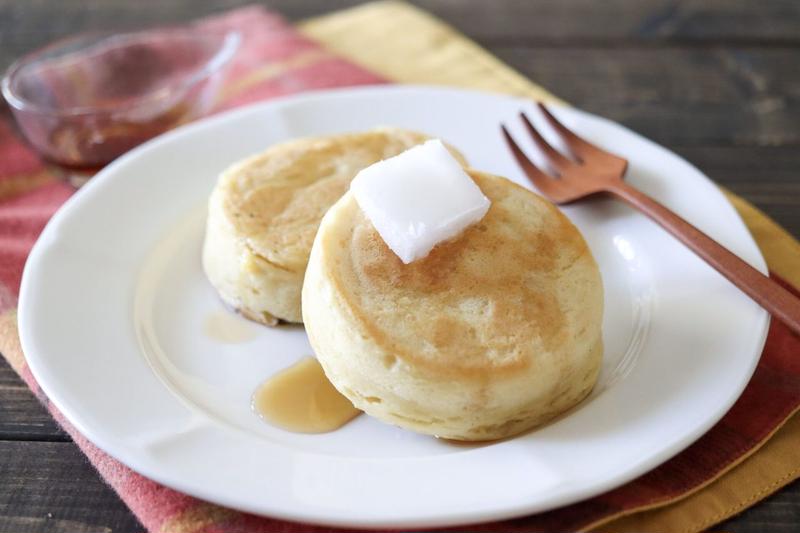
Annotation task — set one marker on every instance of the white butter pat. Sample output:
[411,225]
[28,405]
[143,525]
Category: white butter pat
[418,199]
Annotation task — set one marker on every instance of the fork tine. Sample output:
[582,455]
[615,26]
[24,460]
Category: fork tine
[542,181]
[579,146]
[554,158]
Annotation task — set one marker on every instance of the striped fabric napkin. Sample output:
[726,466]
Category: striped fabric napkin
[274,60]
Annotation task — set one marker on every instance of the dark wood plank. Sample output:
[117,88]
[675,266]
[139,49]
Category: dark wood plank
[541,22]
[677,96]
[551,21]
[49,487]
[767,176]
[22,417]
[611,22]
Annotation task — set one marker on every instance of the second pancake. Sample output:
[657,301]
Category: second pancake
[264,212]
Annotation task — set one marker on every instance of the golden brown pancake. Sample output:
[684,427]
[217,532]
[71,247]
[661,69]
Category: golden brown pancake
[494,332]
[264,213]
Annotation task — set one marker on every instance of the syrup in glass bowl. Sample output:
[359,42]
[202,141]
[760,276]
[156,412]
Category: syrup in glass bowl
[84,101]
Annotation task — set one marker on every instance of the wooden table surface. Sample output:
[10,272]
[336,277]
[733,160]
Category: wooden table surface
[717,81]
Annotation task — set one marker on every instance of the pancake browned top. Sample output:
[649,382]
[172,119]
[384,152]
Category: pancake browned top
[275,200]
[518,286]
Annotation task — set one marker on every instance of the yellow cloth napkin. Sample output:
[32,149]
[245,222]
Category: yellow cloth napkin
[407,45]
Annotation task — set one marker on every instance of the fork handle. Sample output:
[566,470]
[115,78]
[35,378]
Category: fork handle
[781,303]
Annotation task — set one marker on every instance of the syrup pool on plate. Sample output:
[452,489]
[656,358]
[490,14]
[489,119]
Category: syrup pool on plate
[301,399]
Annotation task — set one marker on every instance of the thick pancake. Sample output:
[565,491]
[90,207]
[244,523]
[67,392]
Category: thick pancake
[265,211]
[492,333]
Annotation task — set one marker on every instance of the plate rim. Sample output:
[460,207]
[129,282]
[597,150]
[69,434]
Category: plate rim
[40,372]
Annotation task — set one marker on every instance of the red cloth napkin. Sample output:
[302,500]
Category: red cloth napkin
[275,60]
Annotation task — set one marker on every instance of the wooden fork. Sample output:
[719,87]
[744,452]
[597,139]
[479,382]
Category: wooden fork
[588,170]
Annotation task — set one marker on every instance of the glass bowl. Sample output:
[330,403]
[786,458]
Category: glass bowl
[83,101]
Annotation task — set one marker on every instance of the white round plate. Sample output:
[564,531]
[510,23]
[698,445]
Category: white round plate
[115,312]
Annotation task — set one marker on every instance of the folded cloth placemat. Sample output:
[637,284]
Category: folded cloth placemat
[748,455]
